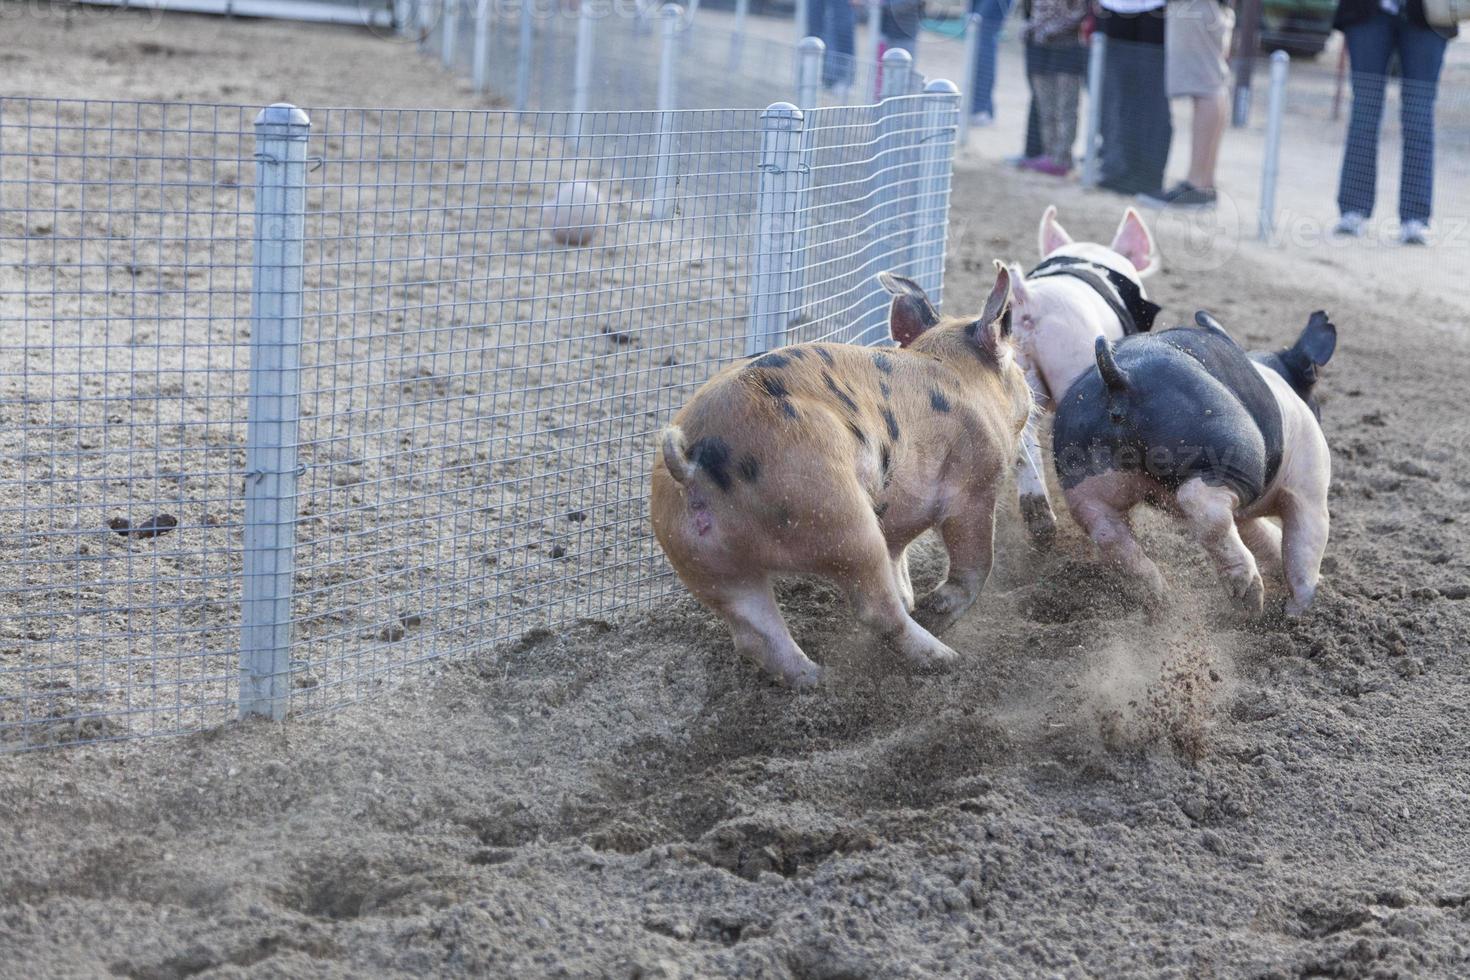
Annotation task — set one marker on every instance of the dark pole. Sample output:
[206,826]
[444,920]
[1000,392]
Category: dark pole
[1247,45]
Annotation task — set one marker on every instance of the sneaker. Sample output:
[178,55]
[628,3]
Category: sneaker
[1414,233]
[1351,224]
[1046,165]
[981,119]
[1181,195]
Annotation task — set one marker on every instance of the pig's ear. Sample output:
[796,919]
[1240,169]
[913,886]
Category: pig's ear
[1135,243]
[1318,340]
[994,323]
[1019,292]
[1051,235]
[910,313]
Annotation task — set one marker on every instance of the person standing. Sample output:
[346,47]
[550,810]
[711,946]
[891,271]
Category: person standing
[1136,129]
[993,15]
[1056,60]
[1373,30]
[1196,44]
[834,23]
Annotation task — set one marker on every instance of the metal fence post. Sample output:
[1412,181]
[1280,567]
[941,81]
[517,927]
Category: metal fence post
[670,15]
[942,115]
[737,37]
[803,18]
[890,229]
[403,16]
[972,64]
[875,39]
[898,70]
[582,70]
[480,69]
[449,41]
[1280,64]
[428,17]
[281,132]
[1096,58]
[809,54]
[781,181]
[523,57]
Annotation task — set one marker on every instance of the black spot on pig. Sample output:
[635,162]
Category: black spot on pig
[884,390]
[883,362]
[826,356]
[771,360]
[773,386]
[937,400]
[783,516]
[712,454]
[892,424]
[796,353]
[842,396]
[885,455]
[857,433]
[750,468]
[880,509]
[788,409]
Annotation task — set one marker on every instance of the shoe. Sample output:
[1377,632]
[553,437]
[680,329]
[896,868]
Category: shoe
[1414,233]
[1046,165]
[980,120]
[1351,224]
[1181,195]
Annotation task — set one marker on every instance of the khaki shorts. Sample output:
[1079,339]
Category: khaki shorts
[1196,41]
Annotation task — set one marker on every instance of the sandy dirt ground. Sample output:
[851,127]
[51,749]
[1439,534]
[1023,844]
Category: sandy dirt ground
[1087,794]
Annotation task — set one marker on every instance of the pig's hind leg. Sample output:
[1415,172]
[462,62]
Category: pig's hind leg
[1304,527]
[1112,533]
[870,577]
[901,572]
[1210,512]
[1263,538]
[760,631]
[1036,510]
[969,541]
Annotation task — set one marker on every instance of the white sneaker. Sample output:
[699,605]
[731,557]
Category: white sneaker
[1351,224]
[1414,233]
[981,119]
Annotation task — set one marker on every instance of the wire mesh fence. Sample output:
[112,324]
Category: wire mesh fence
[423,432]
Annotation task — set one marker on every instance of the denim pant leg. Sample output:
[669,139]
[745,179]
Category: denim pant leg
[1114,164]
[1369,44]
[1153,127]
[1421,54]
[838,33]
[992,19]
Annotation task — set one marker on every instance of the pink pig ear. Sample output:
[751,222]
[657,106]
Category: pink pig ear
[1135,243]
[1051,235]
[910,313]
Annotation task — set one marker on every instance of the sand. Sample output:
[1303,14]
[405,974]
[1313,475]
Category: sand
[1087,794]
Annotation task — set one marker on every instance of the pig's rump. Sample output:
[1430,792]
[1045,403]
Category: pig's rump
[1193,406]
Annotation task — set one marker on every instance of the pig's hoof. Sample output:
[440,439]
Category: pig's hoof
[1296,608]
[1249,595]
[942,607]
[932,656]
[804,679]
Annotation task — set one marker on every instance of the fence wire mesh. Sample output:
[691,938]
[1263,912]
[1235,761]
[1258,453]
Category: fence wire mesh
[477,398]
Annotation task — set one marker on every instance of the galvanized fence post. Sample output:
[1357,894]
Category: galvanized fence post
[480,67]
[403,16]
[737,37]
[428,16]
[670,16]
[809,55]
[875,41]
[281,132]
[523,56]
[783,176]
[942,115]
[1096,58]
[1280,64]
[449,40]
[582,69]
[972,64]
[889,232]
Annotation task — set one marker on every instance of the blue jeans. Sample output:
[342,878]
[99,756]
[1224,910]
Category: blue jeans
[832,21]
[992,19]
[1370,44]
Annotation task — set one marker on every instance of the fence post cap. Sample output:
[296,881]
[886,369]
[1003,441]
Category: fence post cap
[896,57]
[941,86]
[671,11]
[811,43]
[283,114]
[778,113]
[1280,57]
